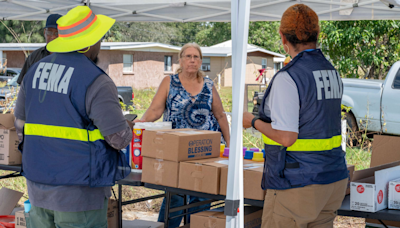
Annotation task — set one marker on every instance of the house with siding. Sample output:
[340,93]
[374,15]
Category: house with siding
[137,64]
[217,60]
[145,64]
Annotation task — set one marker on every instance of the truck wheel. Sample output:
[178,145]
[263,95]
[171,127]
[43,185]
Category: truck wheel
[352,130]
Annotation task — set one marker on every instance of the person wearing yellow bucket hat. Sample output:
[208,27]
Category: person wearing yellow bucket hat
[73,128]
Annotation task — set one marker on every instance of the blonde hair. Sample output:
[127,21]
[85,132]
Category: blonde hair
[200,73]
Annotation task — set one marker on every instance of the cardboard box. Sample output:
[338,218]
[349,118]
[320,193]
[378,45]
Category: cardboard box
[161,172]
[181,144]
[252,177]
[8,200]
[112,213]
[385,149]
[201,175]
[217,219]
[350,170]
[20,221]
[141,224]
[394,194]
[369,189]
[9,153]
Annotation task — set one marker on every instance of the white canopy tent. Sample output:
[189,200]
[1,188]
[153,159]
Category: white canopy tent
[199,10]
[239,12]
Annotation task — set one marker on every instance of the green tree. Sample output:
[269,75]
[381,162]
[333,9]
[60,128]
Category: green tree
[22,31]
[213,33]
[265,34]
[364,49]
[185,32]
[141,32]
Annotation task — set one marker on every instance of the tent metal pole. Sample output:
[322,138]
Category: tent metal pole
[234,195]
[141,12]
[24,15]
[111,8]
[27,6]
[161,17]
[269,4]
[381,8]
[328,2]
[137,12]
[266,15]
[208,16]
[41,12]
[347,7]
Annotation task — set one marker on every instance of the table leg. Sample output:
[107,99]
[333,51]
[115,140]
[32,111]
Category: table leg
[120,206]
[382,223]
[185,218]
[167,207]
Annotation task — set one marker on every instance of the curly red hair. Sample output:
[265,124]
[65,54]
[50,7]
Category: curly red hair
[299,24]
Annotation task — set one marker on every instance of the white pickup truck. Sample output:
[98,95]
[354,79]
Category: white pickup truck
[375,102]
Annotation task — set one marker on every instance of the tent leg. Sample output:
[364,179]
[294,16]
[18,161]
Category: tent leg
[120,206]
[234,195]
[167,207]
[185,210]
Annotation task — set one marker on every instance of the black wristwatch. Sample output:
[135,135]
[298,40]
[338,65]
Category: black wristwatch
[253,121]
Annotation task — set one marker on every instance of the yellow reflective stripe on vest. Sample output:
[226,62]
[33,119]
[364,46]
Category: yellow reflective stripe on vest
[59,132]
[309,144]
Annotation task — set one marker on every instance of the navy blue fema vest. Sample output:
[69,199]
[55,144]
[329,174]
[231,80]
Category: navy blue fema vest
[316,157]
[61,144]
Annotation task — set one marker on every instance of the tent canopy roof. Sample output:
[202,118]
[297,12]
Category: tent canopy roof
[197,10]
[127,46]
[224,49]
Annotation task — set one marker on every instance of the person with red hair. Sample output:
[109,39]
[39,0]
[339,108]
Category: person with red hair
[305,171]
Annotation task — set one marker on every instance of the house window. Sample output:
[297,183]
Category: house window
[206,65]
[128,63]
[277,66]
[264,63]
[167,63]
[3,60]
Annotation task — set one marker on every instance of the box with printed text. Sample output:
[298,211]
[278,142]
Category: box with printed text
[394,194]
[369,188]
[9,153]
[20,221]
[181,144]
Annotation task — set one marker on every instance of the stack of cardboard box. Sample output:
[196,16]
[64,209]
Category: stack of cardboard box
[163,150]
[189,159]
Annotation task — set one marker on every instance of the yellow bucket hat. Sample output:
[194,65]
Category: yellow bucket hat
[78,29]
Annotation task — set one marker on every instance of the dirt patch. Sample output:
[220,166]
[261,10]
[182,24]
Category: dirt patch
[348,222]
[130,193]
[149,210]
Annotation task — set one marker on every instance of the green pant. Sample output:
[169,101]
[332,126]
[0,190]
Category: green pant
[43,218]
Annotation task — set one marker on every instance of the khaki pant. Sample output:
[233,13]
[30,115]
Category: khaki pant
[313,206]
